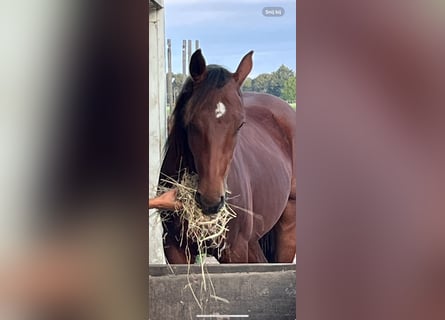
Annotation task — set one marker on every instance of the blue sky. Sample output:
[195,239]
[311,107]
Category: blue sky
[228,29]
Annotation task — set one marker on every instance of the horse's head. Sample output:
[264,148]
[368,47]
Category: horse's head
[212,118]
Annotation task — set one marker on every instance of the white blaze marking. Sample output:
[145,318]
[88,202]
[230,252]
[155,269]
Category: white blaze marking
[220,109]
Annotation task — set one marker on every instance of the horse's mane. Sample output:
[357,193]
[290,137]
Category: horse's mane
[190,101]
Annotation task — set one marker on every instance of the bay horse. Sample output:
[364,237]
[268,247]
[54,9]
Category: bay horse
[242,143]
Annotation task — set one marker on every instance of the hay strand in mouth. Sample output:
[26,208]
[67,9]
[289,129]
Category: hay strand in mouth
[208,232]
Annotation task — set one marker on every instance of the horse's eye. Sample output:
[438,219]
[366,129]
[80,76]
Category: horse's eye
[242,123]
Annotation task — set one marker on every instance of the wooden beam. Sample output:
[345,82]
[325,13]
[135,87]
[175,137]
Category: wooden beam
[253,295]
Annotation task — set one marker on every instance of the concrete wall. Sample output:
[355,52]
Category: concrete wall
[158,122]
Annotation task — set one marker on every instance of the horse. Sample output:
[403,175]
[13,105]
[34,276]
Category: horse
[236,142]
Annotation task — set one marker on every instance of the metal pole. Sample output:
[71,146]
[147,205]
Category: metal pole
[184,65]
[189,51]
[169,75]
[196,45]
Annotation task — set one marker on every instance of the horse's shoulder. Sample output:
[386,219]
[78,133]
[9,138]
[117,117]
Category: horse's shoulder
[262,105]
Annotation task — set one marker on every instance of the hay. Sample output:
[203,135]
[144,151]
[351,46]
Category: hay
[208,232]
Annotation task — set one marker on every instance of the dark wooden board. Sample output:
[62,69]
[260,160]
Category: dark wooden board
[255,291]
[162,269]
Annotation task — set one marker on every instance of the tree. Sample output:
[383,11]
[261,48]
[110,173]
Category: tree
[283,72]
[272,83]
[278,79]
[289,92]
[247,85]
[261,82]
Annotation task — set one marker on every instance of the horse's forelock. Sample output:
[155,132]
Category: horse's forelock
[205,91]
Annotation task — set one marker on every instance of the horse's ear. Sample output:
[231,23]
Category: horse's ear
[244,68]
[198,67]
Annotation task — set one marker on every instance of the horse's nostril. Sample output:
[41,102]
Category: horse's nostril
[198,199]
[214,208]
[207,207]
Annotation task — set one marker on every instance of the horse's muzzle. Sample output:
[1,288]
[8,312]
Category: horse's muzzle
[207,207]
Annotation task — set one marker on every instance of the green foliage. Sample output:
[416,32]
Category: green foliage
[280,83]
[278,79]
[289,91]
[247,85]
[261,83]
